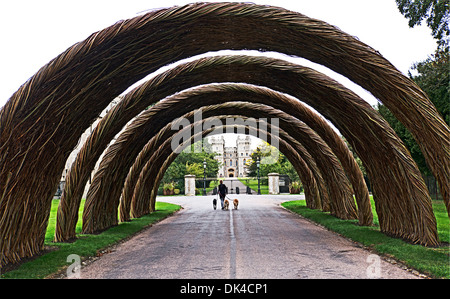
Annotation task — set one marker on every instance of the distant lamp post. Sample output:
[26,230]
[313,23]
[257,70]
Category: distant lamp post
[204,177]
[259,186]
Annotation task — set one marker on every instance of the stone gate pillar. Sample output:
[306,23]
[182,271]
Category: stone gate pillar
[274,181]
[189,185]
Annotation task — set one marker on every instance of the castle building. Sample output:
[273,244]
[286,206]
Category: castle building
[232,159]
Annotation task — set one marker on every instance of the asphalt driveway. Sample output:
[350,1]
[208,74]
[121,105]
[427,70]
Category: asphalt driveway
[259,240]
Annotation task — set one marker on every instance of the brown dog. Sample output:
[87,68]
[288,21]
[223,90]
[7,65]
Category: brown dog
[226,204]
[236,203]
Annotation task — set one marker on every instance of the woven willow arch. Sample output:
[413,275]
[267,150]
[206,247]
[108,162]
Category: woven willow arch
[144,195]
[103,195]
[274,73]
[154,148]
[405,213]
[308,171]
[144,198]
[42,122]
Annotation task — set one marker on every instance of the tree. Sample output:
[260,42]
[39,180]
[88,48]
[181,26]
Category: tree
[191,162]
[433,78]
[281,165]
[436,14]
[195,169]
[262,152]
[432,73]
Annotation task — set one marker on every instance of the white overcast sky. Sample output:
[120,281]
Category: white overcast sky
[34,32]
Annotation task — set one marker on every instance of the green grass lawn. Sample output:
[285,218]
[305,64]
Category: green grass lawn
[253,184]
[432,261]
[86,245]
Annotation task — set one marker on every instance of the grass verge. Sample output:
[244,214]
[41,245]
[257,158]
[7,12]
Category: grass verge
[434,262]
[86,245]
[253,184]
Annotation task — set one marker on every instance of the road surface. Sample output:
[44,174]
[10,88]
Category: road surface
[259,240]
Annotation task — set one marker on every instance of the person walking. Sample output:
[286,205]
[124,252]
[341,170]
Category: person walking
[222,192]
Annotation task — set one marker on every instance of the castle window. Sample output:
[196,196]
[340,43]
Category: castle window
[231,163]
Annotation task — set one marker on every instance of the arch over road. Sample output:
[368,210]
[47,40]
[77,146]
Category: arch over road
[315,191]
[108,181]
[112,166]
[389,178]
[147,160]
[270,72]
[42,122]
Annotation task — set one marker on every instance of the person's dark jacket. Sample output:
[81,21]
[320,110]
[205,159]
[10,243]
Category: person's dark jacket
[222,190]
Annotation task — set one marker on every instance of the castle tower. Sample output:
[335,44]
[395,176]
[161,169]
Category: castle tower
[218,147]
[243,154]
[231,164]
[232,159]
